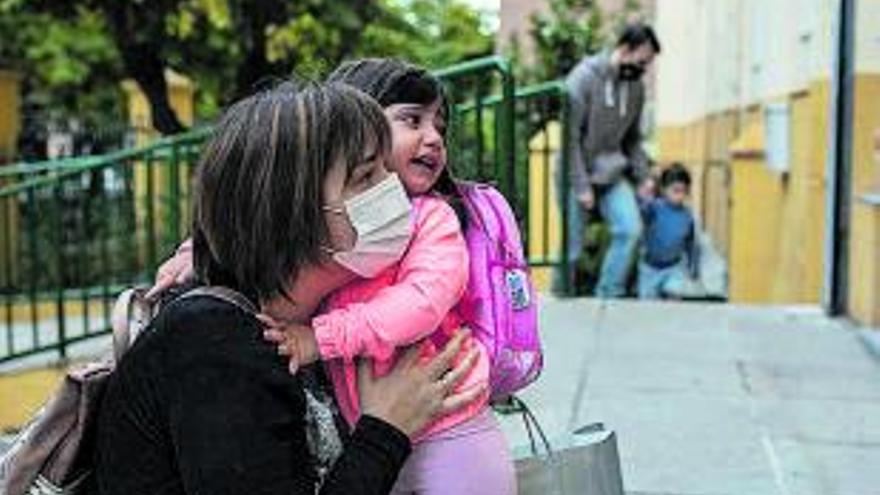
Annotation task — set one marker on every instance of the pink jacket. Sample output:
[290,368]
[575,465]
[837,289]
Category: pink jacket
[406,303]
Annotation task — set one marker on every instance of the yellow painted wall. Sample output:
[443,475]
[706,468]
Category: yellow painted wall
[10,114]
[864,269]
[181,97]
[545,220]
[10,126]
[864,297]
[755,233]
[770,226]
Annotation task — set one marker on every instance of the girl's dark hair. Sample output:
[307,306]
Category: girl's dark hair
[258,215]
[391,81]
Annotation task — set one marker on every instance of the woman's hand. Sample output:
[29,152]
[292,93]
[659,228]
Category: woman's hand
[295,341]
[177,270]
[415,392]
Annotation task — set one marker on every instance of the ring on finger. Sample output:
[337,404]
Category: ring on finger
[445,381]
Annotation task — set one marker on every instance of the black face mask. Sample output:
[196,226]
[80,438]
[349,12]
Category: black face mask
[631,72]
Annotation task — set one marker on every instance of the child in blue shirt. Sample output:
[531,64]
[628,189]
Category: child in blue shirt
[669,253]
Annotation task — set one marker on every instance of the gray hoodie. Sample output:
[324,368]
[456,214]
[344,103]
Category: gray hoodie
[605,137]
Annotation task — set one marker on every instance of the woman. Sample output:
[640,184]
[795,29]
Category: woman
[467,452]
[202,404]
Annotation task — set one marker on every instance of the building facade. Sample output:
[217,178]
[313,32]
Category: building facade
[744,100]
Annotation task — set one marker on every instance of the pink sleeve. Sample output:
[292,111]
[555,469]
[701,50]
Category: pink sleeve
[431,279]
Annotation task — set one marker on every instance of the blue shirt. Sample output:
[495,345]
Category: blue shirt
[669,234]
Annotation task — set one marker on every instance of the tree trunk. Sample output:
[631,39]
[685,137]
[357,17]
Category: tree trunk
[141,56]
[252,19]
[152,82]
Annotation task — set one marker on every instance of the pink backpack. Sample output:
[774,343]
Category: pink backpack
[499,304]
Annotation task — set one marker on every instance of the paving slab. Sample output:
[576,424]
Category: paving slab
[713,399]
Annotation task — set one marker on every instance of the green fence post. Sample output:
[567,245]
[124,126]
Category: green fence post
[508,129]
[35,258]
[82,251]
[11,282]
[59,284]
[173,236]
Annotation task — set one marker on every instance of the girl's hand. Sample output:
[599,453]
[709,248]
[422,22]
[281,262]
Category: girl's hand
[177,270]
[295,341]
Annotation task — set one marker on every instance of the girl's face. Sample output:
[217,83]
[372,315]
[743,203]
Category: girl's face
[418,147]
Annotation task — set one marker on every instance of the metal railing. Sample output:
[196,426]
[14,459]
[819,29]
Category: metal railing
[536,148]
[495,122]
[74,232]
[481,141]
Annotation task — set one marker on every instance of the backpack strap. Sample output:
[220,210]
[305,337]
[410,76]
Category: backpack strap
[132,312]
[468,188]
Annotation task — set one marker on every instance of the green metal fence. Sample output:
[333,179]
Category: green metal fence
[481,136]
[491,140]
[74,232]
[534,157]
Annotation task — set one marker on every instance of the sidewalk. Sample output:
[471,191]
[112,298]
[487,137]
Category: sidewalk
[705,399]
[714,399]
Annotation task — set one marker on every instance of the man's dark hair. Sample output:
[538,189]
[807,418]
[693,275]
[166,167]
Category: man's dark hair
[675,174]
[258,211]
[636,35]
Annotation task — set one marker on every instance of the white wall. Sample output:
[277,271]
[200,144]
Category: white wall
[867,36]
[724,54]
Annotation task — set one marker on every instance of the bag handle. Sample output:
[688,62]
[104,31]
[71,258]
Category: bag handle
[530,422]
[121,317]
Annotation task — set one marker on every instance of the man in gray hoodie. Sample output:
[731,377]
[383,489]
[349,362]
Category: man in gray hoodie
[606,96]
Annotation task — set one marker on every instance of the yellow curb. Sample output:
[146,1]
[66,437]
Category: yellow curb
[22,394]
[23,311]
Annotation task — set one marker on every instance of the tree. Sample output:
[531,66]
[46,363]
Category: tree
[228,47]
[434,33]
[137,31]
[571,31]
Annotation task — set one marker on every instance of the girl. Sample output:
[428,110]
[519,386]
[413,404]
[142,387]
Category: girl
[465,451]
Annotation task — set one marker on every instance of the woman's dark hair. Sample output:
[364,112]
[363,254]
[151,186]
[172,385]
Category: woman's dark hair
[258,215]
[392,81]
[675,174]
[637,34]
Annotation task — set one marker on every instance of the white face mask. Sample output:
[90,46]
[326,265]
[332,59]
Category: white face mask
[381,218]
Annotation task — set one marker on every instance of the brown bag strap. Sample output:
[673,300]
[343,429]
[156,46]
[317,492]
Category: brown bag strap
[133,312]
